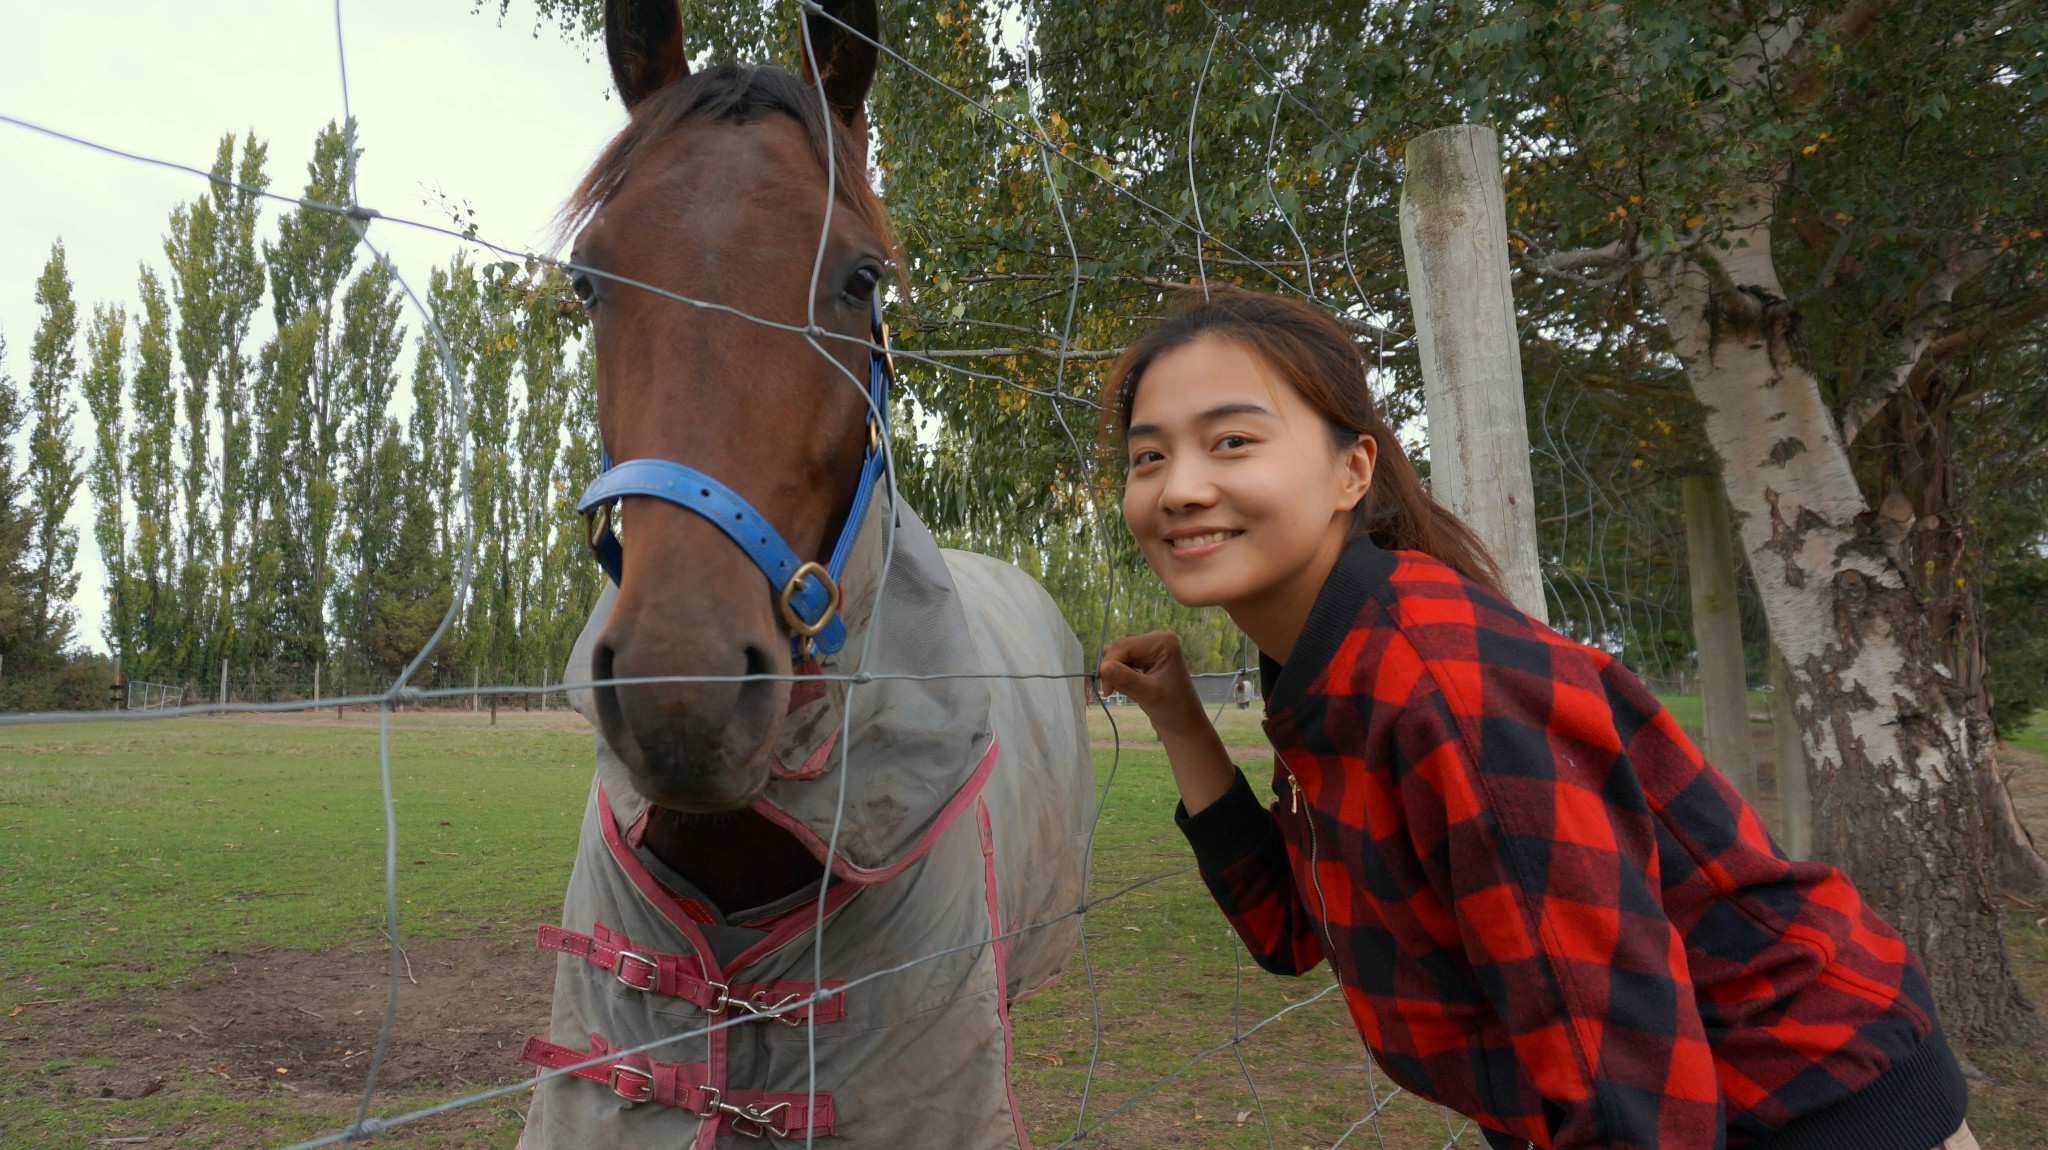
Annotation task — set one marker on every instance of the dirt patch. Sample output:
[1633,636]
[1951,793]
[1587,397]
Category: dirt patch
[2026,775]
[304,1019]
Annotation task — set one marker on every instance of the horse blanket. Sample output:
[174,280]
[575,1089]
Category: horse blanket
[964,820]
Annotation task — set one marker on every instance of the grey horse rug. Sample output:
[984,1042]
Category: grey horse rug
[964,804]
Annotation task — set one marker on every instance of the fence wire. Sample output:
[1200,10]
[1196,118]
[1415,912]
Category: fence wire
[1053,159]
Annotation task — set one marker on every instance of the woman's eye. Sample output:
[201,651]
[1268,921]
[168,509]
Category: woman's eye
[1144,457]
[1233,442]
[861,286]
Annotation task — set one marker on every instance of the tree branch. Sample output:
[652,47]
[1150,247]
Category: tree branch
[999,352]
[1828,268]
[1912,367]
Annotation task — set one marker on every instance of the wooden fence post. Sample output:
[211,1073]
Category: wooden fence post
[1454,235]
[1717,631]
[1795,785]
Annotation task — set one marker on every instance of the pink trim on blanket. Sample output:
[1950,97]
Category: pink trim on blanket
[1002,951]
[969,792]
[813,766]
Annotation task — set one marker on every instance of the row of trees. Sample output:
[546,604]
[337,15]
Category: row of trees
[260,501]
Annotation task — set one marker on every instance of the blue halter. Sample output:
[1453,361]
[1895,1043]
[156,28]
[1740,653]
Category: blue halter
[807,592]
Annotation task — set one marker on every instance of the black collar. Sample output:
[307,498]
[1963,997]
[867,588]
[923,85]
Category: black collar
[1361,570]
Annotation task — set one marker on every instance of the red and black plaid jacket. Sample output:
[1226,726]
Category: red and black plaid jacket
[1547,911]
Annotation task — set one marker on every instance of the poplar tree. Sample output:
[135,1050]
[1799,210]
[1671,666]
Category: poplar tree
[313,256]
[217,286]
[105,388]
[53,463]
[15,521]
[160,647]
[371,340]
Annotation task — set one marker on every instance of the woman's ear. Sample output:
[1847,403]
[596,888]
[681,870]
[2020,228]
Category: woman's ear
[1357,462]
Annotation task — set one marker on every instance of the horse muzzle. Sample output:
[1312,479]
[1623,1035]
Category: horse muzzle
[701,744]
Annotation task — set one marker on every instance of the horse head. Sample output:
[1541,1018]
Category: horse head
[717,190]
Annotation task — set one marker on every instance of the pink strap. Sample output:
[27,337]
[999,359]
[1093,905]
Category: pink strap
[637,1078]
[682,976]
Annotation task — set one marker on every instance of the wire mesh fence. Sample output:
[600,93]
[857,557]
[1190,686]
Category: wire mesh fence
[1061,162]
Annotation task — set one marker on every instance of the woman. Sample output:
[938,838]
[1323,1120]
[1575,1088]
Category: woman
[1546,910]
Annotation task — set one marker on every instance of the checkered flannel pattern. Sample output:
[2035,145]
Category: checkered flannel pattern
[1547,910]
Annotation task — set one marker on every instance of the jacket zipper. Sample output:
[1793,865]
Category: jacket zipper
[1315,878]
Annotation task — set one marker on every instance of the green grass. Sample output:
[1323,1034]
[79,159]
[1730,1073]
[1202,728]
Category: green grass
[129,851]
[2034,736]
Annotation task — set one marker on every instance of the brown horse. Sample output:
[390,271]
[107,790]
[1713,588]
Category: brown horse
[934,826]
[708,196]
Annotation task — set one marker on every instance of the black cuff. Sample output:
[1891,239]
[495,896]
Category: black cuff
[1227,830]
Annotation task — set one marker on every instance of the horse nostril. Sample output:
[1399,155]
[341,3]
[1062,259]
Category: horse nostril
[757,661]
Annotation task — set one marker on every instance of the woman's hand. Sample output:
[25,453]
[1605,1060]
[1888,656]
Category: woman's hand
[1151,671]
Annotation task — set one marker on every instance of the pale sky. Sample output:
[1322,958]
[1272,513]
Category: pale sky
[446,98]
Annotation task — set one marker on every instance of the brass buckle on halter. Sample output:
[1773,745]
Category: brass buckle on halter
[807,630]
[596,523]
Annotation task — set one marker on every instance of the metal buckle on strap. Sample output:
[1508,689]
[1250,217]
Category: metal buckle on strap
[646,1083]
[807,630]
[651,968]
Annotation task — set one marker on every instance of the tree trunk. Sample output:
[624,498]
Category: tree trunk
[1895,763]
[1717,632]
[1926,533]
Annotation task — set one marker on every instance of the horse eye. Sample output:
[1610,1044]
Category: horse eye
[862,286]
[585,289]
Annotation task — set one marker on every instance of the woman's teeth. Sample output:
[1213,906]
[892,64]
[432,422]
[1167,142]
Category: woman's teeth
[1202,540]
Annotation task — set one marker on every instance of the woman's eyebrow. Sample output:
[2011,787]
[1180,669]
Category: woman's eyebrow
[1209,416]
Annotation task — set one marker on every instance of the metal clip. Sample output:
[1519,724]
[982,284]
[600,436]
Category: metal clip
[751,1123]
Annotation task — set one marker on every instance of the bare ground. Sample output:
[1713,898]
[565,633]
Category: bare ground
[293,1031]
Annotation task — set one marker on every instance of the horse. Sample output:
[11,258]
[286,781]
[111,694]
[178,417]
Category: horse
[823,743]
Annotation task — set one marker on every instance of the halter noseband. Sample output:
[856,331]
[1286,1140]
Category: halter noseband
[806,593]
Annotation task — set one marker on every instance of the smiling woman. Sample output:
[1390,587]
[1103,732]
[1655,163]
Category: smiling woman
[1547,910]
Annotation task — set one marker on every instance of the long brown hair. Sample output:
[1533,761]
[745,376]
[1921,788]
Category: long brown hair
[1315,355]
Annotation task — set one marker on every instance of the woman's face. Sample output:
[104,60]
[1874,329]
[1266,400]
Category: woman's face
[1236,491]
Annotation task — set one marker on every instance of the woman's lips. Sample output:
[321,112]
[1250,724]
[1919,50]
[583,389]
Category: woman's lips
[1196,546]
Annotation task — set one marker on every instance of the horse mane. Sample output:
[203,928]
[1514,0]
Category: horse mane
[738,93]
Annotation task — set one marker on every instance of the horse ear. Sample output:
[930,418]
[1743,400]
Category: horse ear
[843,35]
[644,41]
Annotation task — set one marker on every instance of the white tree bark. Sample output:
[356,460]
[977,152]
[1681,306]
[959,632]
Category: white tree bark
[1454,234]
[1893,761]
